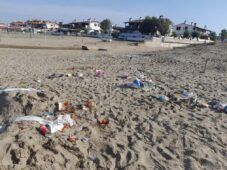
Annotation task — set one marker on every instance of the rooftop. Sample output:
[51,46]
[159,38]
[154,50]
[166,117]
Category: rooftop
[87,21]
[135,21]
[201,28]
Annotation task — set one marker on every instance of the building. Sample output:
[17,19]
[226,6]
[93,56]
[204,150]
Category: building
[51,25]
[179,29]
[133,25]
[89,26]
[16,26]
[3,26]
[42,25]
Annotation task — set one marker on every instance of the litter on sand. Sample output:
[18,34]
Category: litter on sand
[53,126]
[219,106]
[72,138]
[162,98]
[100,73]
[66,106]
[103,120]
[2,128]
[135,84]
[18,90]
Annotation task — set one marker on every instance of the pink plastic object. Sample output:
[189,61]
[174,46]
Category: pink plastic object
[100,73]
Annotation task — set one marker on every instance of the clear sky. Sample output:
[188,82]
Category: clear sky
[212,13]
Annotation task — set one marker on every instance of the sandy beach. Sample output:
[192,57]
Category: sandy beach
[142,132]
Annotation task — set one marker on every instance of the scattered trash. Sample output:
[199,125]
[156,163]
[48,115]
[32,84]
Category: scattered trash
[84,139]
[2,128]
[225,109]
[80,75]
[65,119]
[66,106]
[100,73]
[18,90]
[138,83]
[163,98]
[186,97]
[148,85]
[43,129]
[54,75]
[62,106]
[81,107]
[103,121]
[142,76]
[89,105]
[49,113]
[52,126]
[32,118]
[218,105]
[69,75]
[202,104]
[64,127]
[72,138]
[135,84]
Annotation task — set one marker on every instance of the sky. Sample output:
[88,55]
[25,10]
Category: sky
[212,13]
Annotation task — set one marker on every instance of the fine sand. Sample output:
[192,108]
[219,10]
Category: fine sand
[142,133]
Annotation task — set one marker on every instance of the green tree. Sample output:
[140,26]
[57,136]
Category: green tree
[149,25]
[164,26]
[106,25]
[223,34]
[186,34]
[213,36]
[195,34]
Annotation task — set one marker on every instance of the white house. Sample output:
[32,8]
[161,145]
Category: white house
[179,29]
[89,26]
[51,25]
[93,26]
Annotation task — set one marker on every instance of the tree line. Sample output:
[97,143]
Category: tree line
[223,34]
[161,25]
[149,26]
[196,34]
